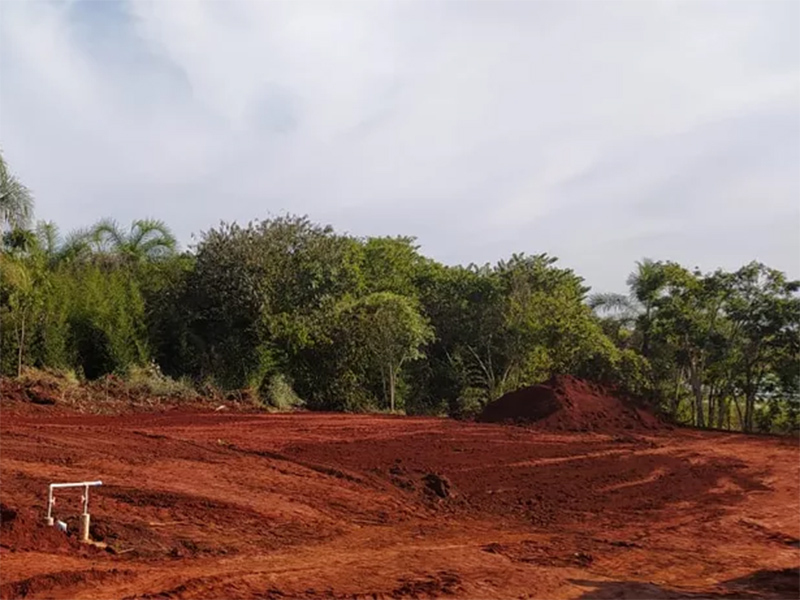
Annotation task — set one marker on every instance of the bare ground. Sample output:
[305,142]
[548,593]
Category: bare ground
[214,505]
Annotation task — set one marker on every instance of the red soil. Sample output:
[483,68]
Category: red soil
[214,505]
[567,403]
[24,529]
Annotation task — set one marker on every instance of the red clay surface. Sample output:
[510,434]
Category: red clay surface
[215,505]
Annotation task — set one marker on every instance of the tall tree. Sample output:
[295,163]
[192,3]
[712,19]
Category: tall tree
[765,333]
[21,294]
[391,264]
[147,239]
[393,331]
[16,200]
[645,286]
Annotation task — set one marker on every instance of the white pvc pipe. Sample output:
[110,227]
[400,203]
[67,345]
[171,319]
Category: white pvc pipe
[80,484]
[83,484]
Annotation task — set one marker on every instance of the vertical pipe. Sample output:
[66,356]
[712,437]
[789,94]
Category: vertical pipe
[85,515]
[85,527]
[50,505]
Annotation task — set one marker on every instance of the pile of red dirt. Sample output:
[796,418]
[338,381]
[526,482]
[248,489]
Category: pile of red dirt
[25,530]
[42,392]
[569,404]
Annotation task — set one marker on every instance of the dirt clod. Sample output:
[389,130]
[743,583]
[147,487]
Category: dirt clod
[437,484]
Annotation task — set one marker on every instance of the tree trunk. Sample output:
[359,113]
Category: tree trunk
[738,412]
[646,334]
[391,387]
[676,398]
[21,338]
[385,387]
[749,409]
[697,391]
[723,407]
[711,413]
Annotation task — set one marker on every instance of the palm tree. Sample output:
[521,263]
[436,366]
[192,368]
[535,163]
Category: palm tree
[44,242]
[624,308]
[147,239]
[54,249]
[48,237]
[16,201]
[645,285]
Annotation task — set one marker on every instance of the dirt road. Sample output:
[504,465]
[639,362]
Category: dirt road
[211,505]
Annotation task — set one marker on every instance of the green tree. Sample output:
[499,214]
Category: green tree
[16,200]
[393,332]
[645,285]
[64,313]
[261,294]
[765,332]
[147,239]
[512,325]
[20,291]
[23,285]
[690,318]
[391,264]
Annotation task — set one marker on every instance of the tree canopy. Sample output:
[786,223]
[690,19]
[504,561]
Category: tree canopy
[16,201]
[287,307]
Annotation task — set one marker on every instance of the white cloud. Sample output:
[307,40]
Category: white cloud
[482,127]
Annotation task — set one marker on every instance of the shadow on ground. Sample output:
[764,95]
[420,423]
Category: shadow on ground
[777,584]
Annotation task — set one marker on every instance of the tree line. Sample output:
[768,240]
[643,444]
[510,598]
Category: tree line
[287,308]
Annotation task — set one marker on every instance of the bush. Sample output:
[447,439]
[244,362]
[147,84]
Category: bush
[469,403]
[280,395]
[151,381]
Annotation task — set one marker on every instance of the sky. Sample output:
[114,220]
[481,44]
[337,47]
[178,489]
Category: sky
[598,132]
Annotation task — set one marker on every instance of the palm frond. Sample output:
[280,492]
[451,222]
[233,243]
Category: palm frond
[610,302]
[151,238]
[107,236]
[16,200]
[76,244]
[48,237]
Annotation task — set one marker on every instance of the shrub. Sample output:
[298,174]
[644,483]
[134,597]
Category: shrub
[151,381]
[280,394]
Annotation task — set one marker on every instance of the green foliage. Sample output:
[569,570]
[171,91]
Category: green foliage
[147,239]
[280,395]
[16,200]
[392,331]
[723,348]
[150,380]
[261,293]
[512,325]
[69,314]
[391,265]
[284,309]
[106,320]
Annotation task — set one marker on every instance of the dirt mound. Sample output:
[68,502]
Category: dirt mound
[569,404]
[42,392]
[529,404]
[25,530]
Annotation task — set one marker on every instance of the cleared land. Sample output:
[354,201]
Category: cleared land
[214,505]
